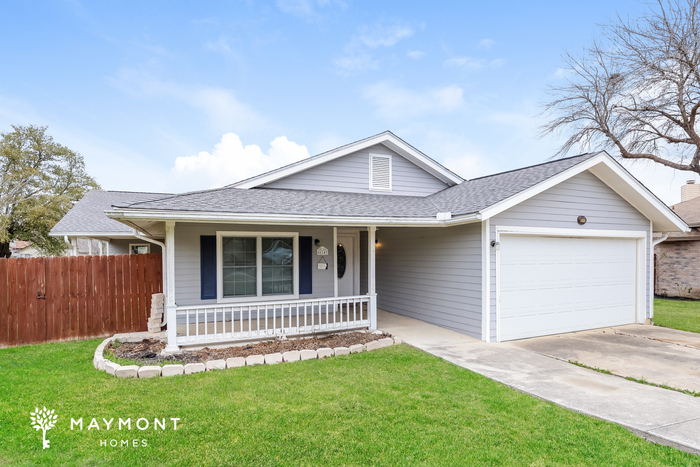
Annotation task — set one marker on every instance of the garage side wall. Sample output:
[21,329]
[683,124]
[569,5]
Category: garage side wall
[559,207]
[432,274]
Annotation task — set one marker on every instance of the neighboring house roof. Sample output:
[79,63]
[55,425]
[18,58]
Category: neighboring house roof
[387,138]
[689,211]
[88,214]
[20,244]
[480,198]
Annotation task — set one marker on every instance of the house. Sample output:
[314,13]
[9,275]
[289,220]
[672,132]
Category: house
[89,232]
[677,254]
[320,244]
[23,249]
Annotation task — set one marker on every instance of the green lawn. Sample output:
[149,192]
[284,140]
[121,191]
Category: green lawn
[395,406]
[677,314]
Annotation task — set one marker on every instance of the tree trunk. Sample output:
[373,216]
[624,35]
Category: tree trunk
[5,250]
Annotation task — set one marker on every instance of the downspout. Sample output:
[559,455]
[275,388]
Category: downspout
[162,246]
[656,242]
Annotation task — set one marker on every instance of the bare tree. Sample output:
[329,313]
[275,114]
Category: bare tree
[636,90]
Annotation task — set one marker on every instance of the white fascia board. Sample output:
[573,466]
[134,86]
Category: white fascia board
[92,234]
[617,178]
[213,217]
[388,140]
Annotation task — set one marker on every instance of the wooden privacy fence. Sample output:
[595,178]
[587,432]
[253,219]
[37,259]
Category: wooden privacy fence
[61,298]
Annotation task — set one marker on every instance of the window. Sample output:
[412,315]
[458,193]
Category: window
[257,265]
[379,172]
[139,248]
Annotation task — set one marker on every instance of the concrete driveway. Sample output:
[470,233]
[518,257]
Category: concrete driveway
[651,353]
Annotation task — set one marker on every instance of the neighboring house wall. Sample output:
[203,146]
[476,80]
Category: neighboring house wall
[584,194]
[432,274]
[121,246]
[677,271]
[351,174]
[187,258]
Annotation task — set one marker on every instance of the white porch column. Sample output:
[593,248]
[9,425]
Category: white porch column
[170,307]
[371,277]
[74,242]
[90,246]
[99,246]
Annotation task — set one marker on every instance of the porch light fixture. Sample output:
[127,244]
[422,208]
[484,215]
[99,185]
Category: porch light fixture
[495,244]
[317,242]
[581,220]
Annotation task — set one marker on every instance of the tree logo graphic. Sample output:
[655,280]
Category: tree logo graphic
[43,420]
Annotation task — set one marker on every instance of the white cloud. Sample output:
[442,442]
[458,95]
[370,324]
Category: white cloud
[308,9]
[486,44]
[231,162]
[357,54]
[381,35]
[562,73]
[415,54]
[396,103]
[465,62]
[224,110]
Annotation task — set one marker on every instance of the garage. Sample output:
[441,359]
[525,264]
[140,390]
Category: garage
[551,284]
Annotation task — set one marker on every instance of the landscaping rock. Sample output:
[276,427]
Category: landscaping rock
[357,348]
[386,342]
[341,351]
[273,358]
[235,362]
[194,368]
[398,340]
[128,371]
[149,371]
[374,345]
[101,364]
[172,370]
[216,365]
[308,354]
[324,352]
[111,367]
[254,360]
[292,356]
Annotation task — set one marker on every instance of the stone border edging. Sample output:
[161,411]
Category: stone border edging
[152,371]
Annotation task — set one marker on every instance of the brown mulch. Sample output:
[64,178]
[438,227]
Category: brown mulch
[148,350]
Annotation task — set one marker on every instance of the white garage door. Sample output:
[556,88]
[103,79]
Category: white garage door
[550,285]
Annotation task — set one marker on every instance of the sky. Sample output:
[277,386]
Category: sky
[177,96]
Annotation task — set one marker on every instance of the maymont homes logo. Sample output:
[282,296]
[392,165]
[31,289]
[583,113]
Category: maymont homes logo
[43,420]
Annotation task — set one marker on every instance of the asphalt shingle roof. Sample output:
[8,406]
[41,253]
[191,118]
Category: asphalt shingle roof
[88,214]
[689,211]
[468,197]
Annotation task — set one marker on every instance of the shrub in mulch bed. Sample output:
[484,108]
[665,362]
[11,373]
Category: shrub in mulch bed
[147,352]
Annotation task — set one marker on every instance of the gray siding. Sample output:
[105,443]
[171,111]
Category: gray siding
[187,260]
[121,246]
[432,274]
[351,174]
[559,207]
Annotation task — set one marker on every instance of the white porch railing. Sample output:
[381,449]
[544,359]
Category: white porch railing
[243,321]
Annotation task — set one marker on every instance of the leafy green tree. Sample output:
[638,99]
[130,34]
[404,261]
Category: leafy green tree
[40,180]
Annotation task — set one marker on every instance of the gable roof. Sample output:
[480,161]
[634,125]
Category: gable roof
[387,138]
[470,201]
[689,211]
[87,216]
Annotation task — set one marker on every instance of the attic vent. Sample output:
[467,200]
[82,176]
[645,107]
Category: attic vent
[379,172]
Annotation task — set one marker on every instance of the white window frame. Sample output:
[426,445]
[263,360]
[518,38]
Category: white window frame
[391,171]
[259,297]
[147,245]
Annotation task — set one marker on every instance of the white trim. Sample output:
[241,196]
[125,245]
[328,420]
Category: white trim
[335,261]
[639,235]
[259,296]
[485,282]
[611,173]
[147,245]
[355,236]
[387,139]
[372,156]
[92,234]
[317,221]
[652,267]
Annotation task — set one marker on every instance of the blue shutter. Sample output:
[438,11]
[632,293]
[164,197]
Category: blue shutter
[305,264]
[207,265]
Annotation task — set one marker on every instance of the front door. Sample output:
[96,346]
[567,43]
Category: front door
[346,266]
